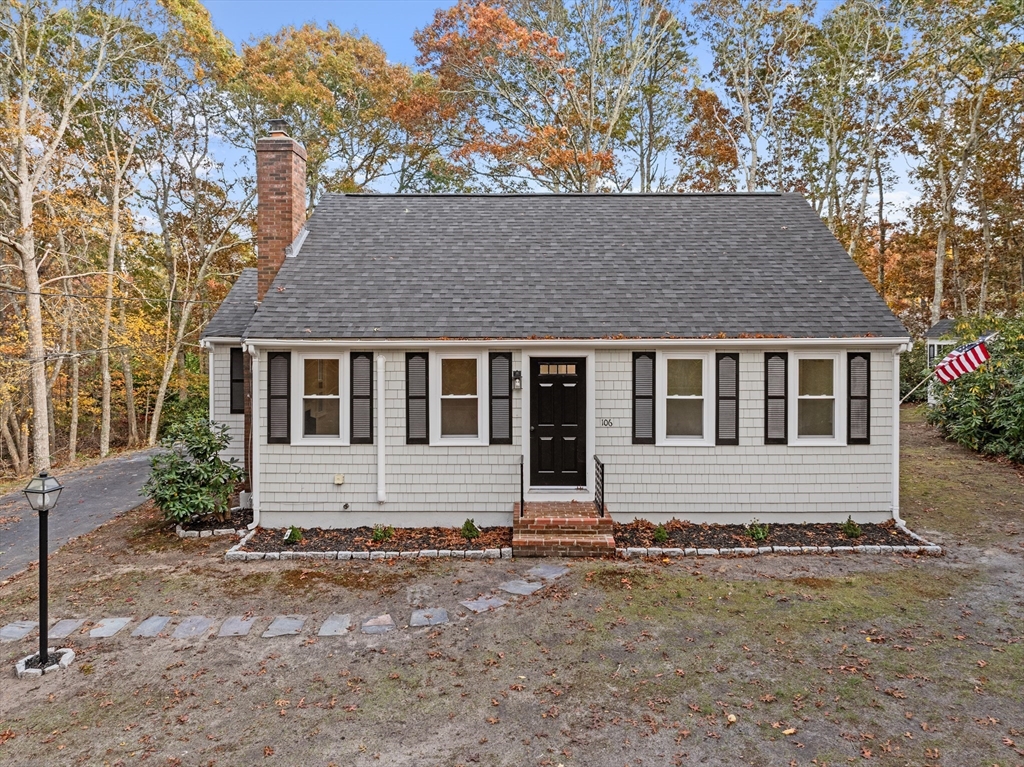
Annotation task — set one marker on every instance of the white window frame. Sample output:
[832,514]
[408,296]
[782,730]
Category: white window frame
[661,399]
[298,395]
[838,393]
[482,395]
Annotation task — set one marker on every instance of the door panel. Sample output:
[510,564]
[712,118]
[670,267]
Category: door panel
[558,417]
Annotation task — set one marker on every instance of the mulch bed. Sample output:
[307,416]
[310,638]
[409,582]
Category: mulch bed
[239,520]
[361,539]
[681,535]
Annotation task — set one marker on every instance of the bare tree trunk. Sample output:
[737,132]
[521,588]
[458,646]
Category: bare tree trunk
[73,427]
[986,230]
[108,307]
[940,268]
[129,387]
[881,228]
[36,346]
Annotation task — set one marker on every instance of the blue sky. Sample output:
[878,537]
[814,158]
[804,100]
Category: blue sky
[389,22]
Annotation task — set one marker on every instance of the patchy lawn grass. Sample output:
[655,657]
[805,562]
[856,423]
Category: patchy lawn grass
[825,660]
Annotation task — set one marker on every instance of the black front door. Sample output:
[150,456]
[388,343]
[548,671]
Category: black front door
[558,422]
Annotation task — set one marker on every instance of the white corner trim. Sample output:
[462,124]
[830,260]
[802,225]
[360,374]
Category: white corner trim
[382,494]
[896,439]
[254,435]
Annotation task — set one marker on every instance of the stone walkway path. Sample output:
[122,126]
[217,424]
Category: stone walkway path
[198,626]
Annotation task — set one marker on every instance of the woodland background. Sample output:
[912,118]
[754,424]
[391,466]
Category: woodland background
[128,131]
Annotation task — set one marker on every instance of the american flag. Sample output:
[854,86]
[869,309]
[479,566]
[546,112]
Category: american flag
[963,359]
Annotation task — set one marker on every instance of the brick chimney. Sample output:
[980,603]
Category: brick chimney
[281,207]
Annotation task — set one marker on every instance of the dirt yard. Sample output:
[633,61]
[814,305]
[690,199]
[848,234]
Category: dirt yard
[775,660]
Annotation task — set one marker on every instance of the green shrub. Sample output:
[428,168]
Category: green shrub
[984,410]
[383,533]
[294,535]
[660,534]
[851,529]
[470,530]
[758,531]
[189,479]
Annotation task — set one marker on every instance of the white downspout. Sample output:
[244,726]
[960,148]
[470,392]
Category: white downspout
[208,348]
[254,433]
[382,494]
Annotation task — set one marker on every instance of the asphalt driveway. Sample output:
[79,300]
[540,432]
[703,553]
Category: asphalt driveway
[91,496]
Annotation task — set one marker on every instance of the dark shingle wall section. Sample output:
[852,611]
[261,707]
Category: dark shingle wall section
[236,310]
[569,266]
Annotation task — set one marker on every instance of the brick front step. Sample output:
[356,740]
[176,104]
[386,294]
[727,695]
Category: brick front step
[567,546]
[561,529]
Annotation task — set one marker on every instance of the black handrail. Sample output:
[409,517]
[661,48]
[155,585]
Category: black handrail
[522,488]
[599,486]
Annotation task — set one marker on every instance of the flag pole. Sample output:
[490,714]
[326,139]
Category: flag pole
[926,379]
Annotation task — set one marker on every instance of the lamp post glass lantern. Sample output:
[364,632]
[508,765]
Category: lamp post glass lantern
[42,493]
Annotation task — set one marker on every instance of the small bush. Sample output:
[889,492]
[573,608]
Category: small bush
[660,534]
[758,531]
[470,530]
[383,533]
[294,535]
[851,529]
[913,369]
[189,479]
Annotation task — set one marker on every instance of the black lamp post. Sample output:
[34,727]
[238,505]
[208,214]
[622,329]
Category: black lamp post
[42,493]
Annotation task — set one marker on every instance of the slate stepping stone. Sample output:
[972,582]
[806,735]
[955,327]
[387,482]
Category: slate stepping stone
[483,604]
[285,625]
[152,626]
[522,588]
[430,617]
[12,632]
[193,626]
[65,628]
[547,572]
[335,626]
[107,627]
[236,626]
[379,625]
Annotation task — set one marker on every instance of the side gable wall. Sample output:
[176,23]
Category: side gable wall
[220,400]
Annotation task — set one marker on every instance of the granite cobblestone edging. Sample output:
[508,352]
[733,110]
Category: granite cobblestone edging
[925,548]
[183,533]
[235,554]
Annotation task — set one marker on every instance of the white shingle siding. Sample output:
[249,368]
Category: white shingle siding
[220,401]
[443,485]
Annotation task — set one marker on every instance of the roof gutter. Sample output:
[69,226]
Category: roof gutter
[862,342]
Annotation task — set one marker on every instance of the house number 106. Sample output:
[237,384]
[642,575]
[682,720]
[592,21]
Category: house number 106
[607,422]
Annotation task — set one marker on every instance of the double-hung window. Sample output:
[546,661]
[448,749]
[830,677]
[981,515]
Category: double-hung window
[686,414]
[459,415]
[819,389]
[320,405]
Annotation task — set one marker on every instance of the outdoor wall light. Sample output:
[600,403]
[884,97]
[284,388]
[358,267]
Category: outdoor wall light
[42,493]
[517,379]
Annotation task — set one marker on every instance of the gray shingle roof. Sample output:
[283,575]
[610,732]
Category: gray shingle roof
[236,310]
[570,266]
[940,328]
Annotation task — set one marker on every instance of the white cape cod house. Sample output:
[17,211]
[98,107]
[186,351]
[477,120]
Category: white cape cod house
[407,359]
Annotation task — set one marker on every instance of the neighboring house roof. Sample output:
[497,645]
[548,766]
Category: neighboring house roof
[236,310]
[570,266]
[940,328]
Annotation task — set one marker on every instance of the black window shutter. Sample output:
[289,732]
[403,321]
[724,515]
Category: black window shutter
[727,389]
[775,407]
[643,398]
[237,380]
[501,398]
[361,427]
[279,387]
[858,395]
[417,421]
